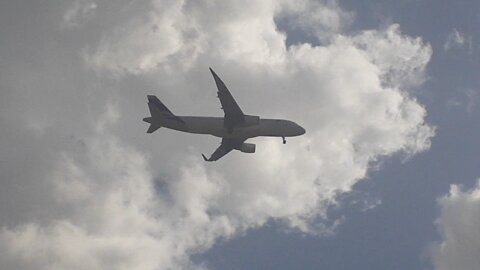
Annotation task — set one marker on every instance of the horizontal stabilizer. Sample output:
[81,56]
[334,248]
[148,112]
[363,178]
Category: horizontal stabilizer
[147,119]
[152,128]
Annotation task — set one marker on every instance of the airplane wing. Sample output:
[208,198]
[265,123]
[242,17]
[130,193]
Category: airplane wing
[233,113]
[225,147]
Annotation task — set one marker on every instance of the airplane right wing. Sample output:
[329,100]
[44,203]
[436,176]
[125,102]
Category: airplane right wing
[225,147]
[233,113]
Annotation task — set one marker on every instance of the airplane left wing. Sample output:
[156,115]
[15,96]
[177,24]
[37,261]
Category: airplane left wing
[233,113]
[225,147]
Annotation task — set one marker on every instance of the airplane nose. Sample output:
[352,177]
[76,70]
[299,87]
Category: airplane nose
[301,130]
[295,129]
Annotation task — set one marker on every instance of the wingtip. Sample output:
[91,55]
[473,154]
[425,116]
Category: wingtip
[152,128]
[205,158]
[213,72]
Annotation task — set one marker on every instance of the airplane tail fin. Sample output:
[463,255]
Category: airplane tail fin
[160,114]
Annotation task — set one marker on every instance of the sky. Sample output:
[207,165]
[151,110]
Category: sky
[386,176]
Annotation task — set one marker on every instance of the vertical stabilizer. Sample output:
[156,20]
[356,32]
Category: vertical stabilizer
[160,114]
[157,108]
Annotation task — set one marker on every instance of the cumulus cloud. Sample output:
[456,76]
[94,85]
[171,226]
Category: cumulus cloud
[402,60]
[125,199]
[458,226]
[109,215]
[175,33]
[153,39]
[321,19]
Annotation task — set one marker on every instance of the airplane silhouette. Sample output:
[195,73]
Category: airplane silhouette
[234,128]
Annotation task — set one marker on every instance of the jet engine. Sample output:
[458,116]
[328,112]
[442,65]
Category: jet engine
[247,148]
[251,120]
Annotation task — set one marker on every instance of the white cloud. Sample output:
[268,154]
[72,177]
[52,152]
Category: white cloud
[472,99]
[322,19]
[125,199]
[162,37]
[111,217]
[78,13]
[456,39]
[458,225]
[467,99]
[174,33]
[402,60]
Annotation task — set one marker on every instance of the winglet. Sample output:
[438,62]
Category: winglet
[205,158]
[215,76]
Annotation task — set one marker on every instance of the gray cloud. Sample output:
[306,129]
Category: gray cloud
[79,12]
[97,192]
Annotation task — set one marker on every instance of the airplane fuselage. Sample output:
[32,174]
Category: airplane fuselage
[215,126]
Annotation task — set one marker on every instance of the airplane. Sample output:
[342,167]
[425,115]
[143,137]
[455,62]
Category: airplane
[234,128]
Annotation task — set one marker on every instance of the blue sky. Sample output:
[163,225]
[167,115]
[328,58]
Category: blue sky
[384,178]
